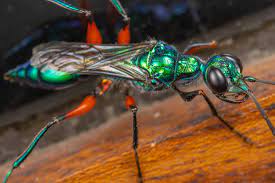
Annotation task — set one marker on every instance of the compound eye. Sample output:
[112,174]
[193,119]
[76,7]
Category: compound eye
[235,59]
[216,80]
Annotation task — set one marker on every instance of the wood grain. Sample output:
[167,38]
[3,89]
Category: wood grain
[179,142]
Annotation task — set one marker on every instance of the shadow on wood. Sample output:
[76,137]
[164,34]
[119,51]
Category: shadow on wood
[179,142]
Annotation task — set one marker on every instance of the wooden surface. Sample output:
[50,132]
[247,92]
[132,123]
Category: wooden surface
[179,142]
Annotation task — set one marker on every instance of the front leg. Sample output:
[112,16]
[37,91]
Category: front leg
[189,96]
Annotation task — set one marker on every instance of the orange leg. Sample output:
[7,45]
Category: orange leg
[194,48]
[124,35]
[129,102]
[93,35]
[87,104]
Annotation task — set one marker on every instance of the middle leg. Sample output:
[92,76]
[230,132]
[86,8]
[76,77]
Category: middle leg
[131,105]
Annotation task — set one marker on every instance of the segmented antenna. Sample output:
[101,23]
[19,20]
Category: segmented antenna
[252,79]
[70,7]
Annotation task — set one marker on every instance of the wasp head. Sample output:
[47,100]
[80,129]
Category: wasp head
[223,75]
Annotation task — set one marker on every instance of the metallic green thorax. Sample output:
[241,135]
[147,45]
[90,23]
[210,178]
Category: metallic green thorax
[166,65]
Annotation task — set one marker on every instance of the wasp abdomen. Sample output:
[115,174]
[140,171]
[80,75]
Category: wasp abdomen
[42,78]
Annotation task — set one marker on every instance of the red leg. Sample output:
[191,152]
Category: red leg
[124,35]
[129,102]
[193,48]
[89,102]
[93,35]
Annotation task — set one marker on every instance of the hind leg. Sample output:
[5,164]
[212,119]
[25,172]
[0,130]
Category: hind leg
[87,104]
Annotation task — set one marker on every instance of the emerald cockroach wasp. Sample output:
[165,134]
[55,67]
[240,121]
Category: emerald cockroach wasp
[148,66]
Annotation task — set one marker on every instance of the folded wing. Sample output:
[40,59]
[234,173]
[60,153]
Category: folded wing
[108,59]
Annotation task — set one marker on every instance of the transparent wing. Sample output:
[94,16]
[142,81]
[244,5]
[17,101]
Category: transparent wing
[108,59]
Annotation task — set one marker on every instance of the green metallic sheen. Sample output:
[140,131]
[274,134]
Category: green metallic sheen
[187,65]
[29,149]
[27,152]
[46,78]
[119,8]
[162,67]
[32,73]
[7,176]
[21,73]
[164,63]
[66,5]
[229,70]
[251,79]
[227,67]
[58,77]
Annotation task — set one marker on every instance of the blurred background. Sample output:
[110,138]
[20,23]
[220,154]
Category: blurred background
[245,28]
